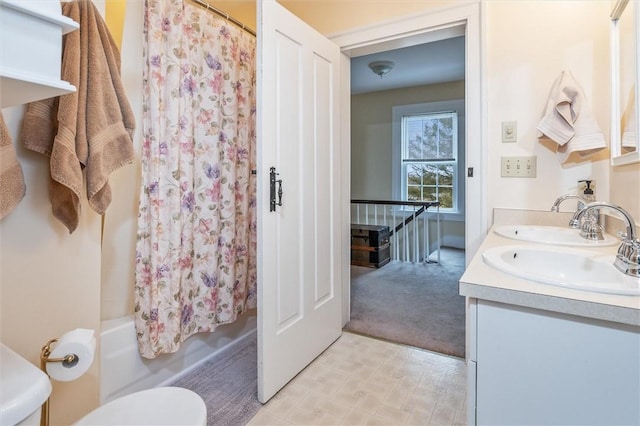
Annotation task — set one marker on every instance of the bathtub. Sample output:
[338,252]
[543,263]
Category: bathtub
[123,370]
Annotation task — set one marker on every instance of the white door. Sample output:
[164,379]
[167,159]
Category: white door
[299,253]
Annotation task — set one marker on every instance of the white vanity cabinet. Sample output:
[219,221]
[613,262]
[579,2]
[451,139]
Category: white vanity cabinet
[535,367]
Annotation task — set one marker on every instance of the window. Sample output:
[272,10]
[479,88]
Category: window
[429,153]
[429,157]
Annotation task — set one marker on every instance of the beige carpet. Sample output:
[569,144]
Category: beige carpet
[413,304]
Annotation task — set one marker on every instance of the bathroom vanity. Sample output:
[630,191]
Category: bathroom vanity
[542,354]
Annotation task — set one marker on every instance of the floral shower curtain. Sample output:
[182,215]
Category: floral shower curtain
[196,242]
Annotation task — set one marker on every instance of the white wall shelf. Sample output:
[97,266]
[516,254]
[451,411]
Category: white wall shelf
[31,51]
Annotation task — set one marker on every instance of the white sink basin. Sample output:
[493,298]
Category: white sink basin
[571,268]
[554,235]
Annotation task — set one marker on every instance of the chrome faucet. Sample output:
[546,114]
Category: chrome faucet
[590,228]
[628,257]
[556,204]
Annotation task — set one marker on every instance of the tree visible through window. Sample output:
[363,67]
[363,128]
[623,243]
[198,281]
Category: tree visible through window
[429,157]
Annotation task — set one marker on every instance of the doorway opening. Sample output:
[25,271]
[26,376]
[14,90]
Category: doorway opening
[408,144]
[458,22]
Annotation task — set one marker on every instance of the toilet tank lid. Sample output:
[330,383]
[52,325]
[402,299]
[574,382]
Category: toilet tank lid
[23,387]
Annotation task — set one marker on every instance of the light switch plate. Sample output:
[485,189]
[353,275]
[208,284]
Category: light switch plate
[509,131]
[523,167]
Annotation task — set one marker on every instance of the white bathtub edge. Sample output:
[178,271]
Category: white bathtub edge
[124,371]
[251,334]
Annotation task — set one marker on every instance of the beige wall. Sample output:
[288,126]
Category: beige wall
[242,10]
[528,44]
[118,248]
[625,189]
[120,223]
[335,16]
[49,279]
[371,143]
[50,282]
[371,134]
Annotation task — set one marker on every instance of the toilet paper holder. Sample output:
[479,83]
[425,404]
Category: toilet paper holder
[69,360]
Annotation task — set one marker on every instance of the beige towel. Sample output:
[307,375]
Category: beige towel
[91,128]
[568,121]
[12,188]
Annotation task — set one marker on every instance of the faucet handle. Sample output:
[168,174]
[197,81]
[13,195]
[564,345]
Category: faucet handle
[628,258]
[591,229]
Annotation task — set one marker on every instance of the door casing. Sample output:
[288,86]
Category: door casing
[418,29]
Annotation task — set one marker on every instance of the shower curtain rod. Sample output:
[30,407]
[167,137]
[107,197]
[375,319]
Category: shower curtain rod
[224,15]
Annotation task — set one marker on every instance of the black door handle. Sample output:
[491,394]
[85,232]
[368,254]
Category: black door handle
[272,190]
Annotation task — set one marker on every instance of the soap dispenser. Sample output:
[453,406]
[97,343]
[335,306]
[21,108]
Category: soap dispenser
[588,194]
[591,227]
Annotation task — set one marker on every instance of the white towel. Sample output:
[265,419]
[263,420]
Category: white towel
[568,121]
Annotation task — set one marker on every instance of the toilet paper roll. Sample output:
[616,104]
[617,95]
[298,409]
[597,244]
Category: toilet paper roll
[79,342]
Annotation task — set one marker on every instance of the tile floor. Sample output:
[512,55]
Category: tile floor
[364,381]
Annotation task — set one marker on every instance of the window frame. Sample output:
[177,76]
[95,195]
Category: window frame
[398,176]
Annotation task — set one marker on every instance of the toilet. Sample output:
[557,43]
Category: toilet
[156,406]
[25,388]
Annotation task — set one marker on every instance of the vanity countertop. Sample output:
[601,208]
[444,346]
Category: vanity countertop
[481,281]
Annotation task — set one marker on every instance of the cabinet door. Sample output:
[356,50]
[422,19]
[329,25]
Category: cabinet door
[541,368]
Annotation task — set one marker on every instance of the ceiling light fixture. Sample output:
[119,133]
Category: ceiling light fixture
[381,67]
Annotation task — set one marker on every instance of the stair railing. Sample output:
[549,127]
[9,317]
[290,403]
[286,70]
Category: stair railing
[406,231]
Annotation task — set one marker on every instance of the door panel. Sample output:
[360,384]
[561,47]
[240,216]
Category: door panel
[299,256]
